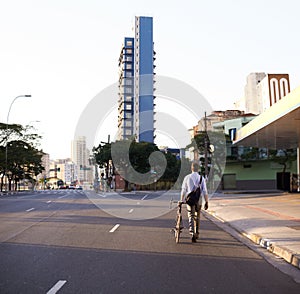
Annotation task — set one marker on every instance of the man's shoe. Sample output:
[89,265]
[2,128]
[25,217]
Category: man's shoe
[194,240]
[197,235]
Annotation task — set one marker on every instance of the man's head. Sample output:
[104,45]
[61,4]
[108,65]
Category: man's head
[195,166]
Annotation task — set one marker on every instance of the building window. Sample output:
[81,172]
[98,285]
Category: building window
[128,82]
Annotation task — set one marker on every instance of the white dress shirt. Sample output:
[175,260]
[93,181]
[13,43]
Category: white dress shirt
[191,182]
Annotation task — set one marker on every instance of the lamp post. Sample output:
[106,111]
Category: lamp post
[6,147]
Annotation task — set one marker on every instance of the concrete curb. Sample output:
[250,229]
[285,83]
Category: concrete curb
[285,253]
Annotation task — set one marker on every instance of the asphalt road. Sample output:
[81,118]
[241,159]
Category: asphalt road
[60,242]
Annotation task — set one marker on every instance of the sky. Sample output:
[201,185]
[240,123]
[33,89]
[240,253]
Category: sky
[65,52]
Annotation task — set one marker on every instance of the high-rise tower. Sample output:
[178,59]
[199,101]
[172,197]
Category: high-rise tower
[136,91]
[126,91]
[80,156]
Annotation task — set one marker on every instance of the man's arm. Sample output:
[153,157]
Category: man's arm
[183,189]
[206,197]
[204,190]
[181,197]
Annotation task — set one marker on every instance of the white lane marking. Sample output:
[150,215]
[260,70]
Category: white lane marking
[114,228]
[56,287]
[30,209]
[62,196]
[102,195]
[131,210]
[49,201]
[145,197]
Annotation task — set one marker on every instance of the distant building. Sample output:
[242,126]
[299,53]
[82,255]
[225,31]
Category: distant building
[222,121]
[136,90]
[263,90]
[218,116]
[46,165]
[272,89]
[251,92]
[45,173]
[177,152]
[65,170]
[80,156]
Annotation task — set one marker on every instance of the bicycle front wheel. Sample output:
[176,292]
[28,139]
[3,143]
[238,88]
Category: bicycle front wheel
[178,229]
[177,236]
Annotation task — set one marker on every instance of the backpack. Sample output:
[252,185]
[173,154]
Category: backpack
[193,197]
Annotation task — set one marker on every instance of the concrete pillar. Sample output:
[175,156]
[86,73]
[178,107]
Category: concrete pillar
[298,165]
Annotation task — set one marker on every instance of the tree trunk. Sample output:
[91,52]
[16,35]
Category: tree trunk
[282,176]
[126,186]
[2,178]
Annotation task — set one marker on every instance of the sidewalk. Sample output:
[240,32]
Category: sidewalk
[271,220]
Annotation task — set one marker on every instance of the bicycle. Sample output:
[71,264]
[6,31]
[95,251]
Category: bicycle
[178,221]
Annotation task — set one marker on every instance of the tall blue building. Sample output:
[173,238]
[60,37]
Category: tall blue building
[136,91]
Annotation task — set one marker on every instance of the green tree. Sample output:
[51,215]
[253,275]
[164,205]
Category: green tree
[25,162]
[15,132]
[102,155]
[173,168]
[138,162]
[20,158]
[132,161]
[283,157]
[216,144]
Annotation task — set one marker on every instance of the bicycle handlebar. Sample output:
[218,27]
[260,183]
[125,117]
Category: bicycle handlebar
[177,202]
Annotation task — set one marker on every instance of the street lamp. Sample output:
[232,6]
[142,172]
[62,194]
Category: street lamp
[7,136]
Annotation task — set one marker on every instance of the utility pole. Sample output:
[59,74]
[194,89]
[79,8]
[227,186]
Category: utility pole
[205,147]
[107,163]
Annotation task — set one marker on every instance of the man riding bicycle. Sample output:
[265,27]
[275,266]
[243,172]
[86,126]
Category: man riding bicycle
[191,182]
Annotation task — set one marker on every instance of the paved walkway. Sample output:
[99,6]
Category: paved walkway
[269,219]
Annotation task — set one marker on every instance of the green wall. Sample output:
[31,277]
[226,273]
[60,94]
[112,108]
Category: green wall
[254,170]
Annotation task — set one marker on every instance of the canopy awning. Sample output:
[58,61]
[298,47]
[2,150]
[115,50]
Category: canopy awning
[276,128]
